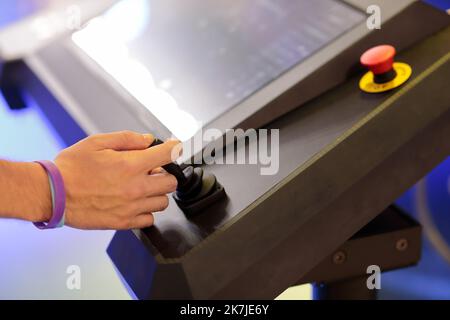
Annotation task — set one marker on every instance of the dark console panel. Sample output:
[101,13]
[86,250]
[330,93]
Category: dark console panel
[336,154]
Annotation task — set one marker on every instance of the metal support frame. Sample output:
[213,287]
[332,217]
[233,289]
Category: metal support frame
[9,86]
[391,241]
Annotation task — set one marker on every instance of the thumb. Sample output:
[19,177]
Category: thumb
[122,141]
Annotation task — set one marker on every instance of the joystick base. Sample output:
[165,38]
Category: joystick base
[211,192]
[196,190]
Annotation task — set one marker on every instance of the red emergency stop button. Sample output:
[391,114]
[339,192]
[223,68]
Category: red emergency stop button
[384,74]
[379,59]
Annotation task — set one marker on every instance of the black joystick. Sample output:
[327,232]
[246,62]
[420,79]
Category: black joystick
[196,190]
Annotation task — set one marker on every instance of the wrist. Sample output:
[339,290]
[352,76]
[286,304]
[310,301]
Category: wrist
[40,204]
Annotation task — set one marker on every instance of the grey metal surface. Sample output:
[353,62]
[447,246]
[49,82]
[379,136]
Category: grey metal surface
[30,26]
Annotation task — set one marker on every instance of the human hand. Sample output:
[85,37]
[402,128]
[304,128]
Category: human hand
[114,181]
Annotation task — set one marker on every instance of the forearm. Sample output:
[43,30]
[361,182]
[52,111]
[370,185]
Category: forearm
[24,192]
[110,182]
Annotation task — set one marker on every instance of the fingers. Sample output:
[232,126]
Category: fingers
[159,184]
[121,141]
[158,156]
[150,186]
[153,204]
[157,171]
[143,218]
[143,221]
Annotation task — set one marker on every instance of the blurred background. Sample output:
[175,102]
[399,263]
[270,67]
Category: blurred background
[29,270]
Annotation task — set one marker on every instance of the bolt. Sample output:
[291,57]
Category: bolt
[401,244]
[339,257]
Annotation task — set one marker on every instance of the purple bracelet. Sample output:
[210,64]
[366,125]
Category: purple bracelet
[58,196]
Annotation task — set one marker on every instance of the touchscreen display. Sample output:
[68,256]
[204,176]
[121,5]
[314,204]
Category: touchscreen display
[190,61]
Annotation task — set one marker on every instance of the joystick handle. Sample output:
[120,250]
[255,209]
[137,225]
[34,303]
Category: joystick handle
[173,168]
[196,189]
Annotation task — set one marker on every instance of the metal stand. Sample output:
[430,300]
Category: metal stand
[391,241]
[9,86]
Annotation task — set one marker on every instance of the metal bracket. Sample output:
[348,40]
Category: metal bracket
[391,241]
